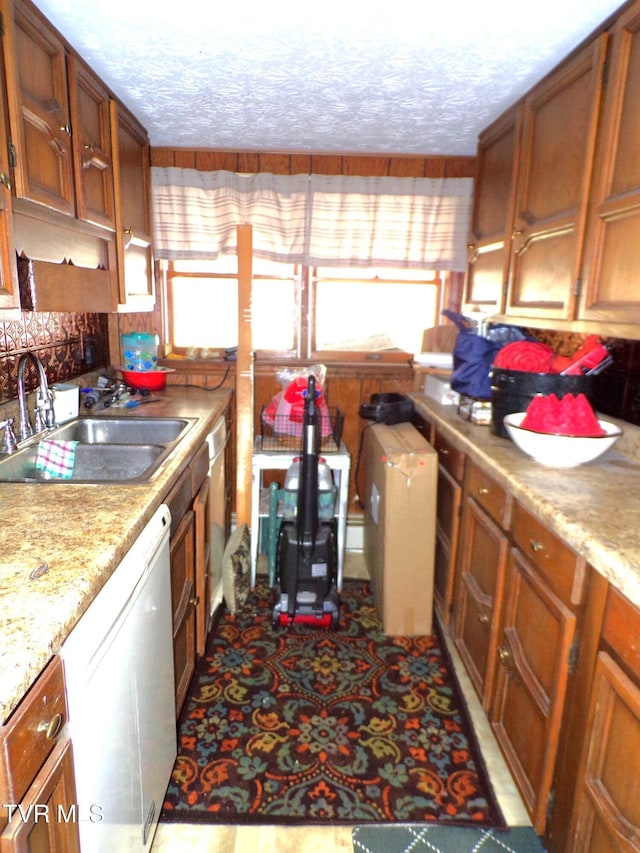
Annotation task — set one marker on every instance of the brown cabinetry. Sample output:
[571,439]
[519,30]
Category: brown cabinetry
[36,771]
[558,140]
[451,462]
[490,238]
[134,243]
[190,504]
[610,287]
[9,294]
[545,586]
[606,816]
[482,561]
[91,137]
[40,123]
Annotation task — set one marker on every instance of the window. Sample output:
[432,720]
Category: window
[329,313]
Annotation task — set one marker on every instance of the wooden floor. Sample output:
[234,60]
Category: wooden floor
[312,839]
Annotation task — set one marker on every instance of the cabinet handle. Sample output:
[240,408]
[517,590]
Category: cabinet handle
[483,618]
[536,546]
[5,180]
[483,490]
[128,237]
[51,727]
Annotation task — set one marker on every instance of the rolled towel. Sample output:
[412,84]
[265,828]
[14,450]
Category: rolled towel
[56,459]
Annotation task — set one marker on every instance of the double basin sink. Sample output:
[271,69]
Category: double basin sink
[108,450]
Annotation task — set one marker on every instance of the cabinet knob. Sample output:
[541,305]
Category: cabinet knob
[195,601]
[536,546]
[5,180]
[443,451]
[51,727]
[483,490]
[505,656]
[484,618]
[66,128]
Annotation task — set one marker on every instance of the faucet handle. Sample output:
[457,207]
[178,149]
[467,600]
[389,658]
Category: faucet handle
[9,443]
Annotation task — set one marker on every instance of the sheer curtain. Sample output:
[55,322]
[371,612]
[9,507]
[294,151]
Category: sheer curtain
[318,220]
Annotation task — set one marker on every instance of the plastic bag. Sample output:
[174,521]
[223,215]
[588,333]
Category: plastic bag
[285,412]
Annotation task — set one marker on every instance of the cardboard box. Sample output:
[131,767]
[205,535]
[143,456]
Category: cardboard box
[400,491]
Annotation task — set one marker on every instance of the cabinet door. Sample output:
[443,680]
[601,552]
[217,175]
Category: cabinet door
[482,569]
[183,605]
[534,654]
[9,293]
[39,121]
[134,243]
[611,290]
[91,122]
[201,508]
[559,131]
[50,823]
[490,238]
[608,792]
[447,526]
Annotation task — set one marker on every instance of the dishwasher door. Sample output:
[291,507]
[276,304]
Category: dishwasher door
[119,671]
[218,502]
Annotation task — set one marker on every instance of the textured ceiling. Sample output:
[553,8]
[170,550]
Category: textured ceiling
[385,76]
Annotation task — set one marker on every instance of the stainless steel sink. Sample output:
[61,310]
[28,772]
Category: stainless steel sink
[113,430]
[109,450]
[94,463]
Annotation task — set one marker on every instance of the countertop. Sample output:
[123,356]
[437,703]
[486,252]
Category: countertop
[81,533]
[594,508]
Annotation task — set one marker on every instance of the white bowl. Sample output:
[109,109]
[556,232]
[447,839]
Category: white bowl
[560,451]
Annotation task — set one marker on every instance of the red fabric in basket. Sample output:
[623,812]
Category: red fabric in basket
[530,356]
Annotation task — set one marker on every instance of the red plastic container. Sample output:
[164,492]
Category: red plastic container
[146,380]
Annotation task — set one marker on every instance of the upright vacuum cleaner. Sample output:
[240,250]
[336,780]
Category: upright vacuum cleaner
[307,553]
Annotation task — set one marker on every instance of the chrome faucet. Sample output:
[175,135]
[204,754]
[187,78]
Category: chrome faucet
[45,417]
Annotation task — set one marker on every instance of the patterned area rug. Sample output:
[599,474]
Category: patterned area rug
[312,725]
[444,839]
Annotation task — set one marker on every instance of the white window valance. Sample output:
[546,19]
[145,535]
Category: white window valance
[318,220]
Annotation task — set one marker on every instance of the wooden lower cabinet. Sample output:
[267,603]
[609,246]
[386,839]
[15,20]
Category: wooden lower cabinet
[606,802]
[451,465]
[183,603]
[535,658]
[36,772]
[481,569]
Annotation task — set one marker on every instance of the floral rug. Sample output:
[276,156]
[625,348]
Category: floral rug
[310,725]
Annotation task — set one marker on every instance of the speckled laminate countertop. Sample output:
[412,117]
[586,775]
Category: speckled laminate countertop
[81,532]
[594,508]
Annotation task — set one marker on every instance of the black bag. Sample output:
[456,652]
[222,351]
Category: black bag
[387,409]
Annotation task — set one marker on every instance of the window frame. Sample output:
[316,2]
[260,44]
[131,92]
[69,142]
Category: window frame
[304,333]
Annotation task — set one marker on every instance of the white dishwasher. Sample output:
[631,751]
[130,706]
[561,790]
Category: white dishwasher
[118,664]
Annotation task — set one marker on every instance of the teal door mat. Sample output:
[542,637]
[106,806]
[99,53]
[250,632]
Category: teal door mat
[444,839]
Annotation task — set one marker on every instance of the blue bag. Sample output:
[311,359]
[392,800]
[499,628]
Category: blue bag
[472,359]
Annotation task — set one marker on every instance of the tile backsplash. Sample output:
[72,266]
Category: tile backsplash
[68,345]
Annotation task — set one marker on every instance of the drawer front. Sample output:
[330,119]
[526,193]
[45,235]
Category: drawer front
[561,567]
[621,629]
[32,732]
[488,494]
[451,459]
[199,468]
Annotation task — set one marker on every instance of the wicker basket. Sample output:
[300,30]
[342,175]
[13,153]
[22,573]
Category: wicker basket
[280,433]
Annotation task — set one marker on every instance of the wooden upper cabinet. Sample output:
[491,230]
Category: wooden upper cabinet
[90,119]
[610,289]
[39,120]
[9,293]
[558,141]
[134,242]
[489,241]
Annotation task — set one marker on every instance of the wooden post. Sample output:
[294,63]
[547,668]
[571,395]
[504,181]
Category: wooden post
[244,380]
